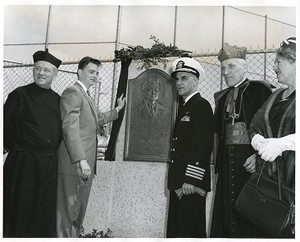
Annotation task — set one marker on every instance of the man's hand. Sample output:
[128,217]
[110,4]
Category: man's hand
[85,169]
[250,164]
[187,189]
[120,102]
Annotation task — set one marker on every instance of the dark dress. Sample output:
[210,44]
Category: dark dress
[232,175]
[32,134]
[190,163]
[276,119]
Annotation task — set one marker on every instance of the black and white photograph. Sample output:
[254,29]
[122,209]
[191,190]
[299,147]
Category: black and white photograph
[155,121]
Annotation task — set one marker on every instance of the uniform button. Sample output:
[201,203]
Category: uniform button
[173,149]
[172,161]
[197,163]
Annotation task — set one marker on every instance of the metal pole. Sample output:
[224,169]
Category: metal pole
[47,29]
[223,25]
[175,26]
[223,39]
[265,47]
[117,44]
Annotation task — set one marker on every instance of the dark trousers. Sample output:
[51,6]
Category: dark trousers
[186,216]
[72,201]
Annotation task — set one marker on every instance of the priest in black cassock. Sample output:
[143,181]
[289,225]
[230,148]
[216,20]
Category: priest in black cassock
[235,108]
[32,134]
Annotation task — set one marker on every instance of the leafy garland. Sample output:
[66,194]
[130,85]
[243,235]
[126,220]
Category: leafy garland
[150,56]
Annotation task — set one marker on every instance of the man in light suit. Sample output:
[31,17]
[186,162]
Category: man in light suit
[77,152]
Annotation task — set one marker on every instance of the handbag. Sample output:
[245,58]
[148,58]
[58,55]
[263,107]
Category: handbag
[268,204]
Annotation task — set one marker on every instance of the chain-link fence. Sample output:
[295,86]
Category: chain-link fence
[260,67]
[15,75]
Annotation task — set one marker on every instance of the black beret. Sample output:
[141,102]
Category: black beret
[46,56]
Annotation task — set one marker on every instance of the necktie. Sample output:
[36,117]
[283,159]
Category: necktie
[152,109]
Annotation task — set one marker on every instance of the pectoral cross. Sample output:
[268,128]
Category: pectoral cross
[234,116]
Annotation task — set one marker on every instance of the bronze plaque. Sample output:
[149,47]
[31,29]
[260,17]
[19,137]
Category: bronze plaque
[151,113]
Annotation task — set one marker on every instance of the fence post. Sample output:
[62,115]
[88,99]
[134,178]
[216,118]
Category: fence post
[47,29]
[175,26]
[223,31]
[117,44]
[265,47]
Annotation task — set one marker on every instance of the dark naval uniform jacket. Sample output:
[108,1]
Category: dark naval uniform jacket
[191,145]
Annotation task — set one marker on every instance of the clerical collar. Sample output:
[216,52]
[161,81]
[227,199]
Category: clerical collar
[236,85]
[42,88]
[82,85]
[189,97]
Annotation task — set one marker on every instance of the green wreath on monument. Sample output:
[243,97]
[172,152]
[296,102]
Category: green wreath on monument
[149,56]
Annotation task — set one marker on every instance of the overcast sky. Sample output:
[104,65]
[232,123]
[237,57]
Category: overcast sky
[199,27]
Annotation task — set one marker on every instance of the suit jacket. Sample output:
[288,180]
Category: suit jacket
[80,121]
[192,145]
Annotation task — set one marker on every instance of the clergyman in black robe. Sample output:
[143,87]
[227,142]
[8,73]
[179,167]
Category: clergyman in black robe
[235,108]
[32,134]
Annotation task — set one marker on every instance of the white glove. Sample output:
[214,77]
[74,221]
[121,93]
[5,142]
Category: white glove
[273,147]
[256,141]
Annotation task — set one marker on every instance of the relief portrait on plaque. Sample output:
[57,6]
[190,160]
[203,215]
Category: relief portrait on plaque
[151,112]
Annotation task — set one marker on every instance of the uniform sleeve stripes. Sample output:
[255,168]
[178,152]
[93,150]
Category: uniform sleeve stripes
[195,172]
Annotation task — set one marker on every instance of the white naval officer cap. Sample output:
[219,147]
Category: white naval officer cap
[187,64]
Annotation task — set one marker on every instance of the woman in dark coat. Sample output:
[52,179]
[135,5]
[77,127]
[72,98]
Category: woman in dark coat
[273,126]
